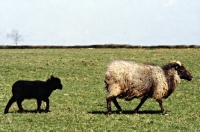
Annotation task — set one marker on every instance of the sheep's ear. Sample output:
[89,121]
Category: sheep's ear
[52,76]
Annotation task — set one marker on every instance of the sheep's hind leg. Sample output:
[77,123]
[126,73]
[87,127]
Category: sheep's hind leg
[19,103]
[39,102]
[117,105]
[10,102]
[140,104]
[109,100]
[161,106]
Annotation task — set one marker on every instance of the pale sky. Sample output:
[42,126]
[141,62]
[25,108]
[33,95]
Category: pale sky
[87,22]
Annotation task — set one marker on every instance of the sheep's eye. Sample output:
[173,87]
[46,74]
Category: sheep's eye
[176,67]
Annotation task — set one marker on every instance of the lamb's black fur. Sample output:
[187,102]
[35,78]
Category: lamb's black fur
[39,90]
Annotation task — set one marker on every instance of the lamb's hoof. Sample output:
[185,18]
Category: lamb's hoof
[21,111]
[5,111]
[38,111]
[135,111]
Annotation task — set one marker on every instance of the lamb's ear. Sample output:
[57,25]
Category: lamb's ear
[52,76]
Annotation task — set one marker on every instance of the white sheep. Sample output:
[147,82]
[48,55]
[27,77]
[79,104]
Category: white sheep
[128,80]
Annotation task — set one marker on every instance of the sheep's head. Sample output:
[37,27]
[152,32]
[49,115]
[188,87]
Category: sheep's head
[54,82]
[182,72]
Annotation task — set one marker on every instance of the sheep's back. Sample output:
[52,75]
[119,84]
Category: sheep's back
[28,89]
[127,70]
[134,78]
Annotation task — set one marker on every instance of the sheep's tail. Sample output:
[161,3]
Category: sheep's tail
[108,81]
[106,85]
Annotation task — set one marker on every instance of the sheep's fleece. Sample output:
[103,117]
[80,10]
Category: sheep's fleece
[128,80]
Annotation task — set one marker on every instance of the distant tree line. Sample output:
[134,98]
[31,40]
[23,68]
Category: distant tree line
[99,46]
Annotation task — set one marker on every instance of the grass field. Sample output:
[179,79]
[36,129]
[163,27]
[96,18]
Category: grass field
[81,104]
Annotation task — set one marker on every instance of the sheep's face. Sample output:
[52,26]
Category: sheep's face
[183,73]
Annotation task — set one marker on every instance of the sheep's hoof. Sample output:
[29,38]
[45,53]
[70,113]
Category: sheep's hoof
[46,111]
[109,113]
[120,112]
[164,113]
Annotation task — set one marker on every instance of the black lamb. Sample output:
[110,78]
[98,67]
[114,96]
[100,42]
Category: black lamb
[39,90]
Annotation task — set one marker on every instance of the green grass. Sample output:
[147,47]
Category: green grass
[81,104]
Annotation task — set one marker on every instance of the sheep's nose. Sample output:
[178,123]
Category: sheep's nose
[191,77]
[61,86]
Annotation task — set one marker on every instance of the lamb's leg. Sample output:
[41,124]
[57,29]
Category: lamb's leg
[140,104]
[10,102]
[47,105]
[161,106]
[39,102]
[117,105]
[19,103]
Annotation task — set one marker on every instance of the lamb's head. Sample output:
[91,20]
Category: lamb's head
[54,82]
[182,72]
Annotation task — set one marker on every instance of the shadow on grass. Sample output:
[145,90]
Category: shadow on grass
[128,112]
[29,111]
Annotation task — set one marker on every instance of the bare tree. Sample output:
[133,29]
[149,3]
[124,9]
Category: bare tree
[14,35]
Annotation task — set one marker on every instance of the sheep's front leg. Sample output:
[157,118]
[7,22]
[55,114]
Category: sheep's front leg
[140,104]
[47,105]
[117,105]
[109,100]
[161,106]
